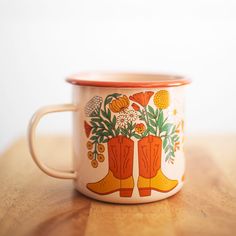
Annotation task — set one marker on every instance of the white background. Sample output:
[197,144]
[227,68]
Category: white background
[43,41]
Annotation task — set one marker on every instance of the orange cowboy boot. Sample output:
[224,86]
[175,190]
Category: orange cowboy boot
[120,173]
[150,175]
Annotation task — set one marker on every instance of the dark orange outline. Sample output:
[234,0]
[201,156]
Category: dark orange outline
[173,81]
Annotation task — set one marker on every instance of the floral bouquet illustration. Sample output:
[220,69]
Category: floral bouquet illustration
[116,123]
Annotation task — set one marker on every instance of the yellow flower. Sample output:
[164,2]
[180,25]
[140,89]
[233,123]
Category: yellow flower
[89,145]
[101,148]
[119,104]
[90,155]
[101,157]
[94,163]
[162,99]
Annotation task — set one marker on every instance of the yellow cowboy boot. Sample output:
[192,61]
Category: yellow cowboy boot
[120,174]
[150,174]
[159,183]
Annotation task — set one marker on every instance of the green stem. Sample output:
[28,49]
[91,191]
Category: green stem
[130,130]
[156,124]
[160,131]
[95,150]
[113,134]
[147,122]
[143,115]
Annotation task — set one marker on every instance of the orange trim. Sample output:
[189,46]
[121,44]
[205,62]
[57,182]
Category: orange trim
[127,80]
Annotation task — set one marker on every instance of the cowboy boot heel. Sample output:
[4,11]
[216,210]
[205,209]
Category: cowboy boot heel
[126,192]
[143,192]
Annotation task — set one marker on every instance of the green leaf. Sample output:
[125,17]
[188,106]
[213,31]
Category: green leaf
[94,124]
[165,142]
[152,123]
[137,136]
[168,156]
[160,119]
[115,95]
[123,132]
[168,148]
[99,132]
[151,129]
[94,138]
[117,131]
[133,126]
[129,125]
[167,127]
[109,114]
[172,154]
[96,119]
[151,116]
[101,125]
[173,130]
[94,131]
[151,109]
[110,132]
[106,133]
[104,114]
[105,140]
[175,138]
[114,120]
[156,113]
[101,139]
[107,100]
[145,132]
[108,124]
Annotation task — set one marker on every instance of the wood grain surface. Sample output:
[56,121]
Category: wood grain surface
[32,203]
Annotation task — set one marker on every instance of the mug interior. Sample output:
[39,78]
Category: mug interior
[108,79]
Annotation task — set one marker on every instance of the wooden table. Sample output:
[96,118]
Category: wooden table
[32,203]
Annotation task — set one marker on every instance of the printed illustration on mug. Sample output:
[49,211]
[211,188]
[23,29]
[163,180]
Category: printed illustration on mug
[120,123]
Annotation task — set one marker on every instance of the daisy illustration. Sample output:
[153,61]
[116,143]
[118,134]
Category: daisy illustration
[122,120]
[131,115]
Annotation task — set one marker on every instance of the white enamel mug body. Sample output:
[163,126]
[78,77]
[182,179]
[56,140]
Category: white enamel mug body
[127,136]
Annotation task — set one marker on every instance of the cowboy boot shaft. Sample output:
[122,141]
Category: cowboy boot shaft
[120,173]
[149,153]
[120,154]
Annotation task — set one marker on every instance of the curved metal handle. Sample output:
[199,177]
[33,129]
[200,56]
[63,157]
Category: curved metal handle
[31,139]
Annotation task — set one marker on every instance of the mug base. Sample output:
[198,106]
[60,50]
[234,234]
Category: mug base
[136,198]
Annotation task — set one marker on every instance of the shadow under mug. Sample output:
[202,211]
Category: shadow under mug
[127,136]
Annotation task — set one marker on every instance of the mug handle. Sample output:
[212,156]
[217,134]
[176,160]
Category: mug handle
[31,139]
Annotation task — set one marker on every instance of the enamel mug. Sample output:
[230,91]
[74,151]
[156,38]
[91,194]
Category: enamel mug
[127,136]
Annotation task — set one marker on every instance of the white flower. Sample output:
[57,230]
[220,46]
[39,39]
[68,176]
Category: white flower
[132,115]
[93,106]
[122,120]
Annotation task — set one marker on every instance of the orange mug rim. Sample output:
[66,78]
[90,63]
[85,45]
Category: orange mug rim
[127,80]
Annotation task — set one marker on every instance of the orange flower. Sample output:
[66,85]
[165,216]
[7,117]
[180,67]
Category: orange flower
[89,145]
[87,128]
[142,98]
[90,155]
[119,104]
[101,158]
[140,128]
[101,148]
[94,163]
[135,107]
[176,147]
